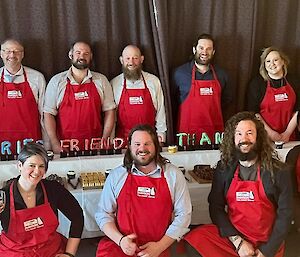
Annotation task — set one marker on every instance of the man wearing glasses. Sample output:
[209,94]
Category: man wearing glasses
[22,92]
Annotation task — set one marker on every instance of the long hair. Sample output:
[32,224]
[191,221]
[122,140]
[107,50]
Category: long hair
[262,69]
[264,147]
[128,161]
[31,149]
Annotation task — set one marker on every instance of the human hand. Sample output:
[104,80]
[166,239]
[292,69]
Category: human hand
[258,253]
[275,136]
[56,148]
[246,249]
[127,244]
[285,137]
[151,249]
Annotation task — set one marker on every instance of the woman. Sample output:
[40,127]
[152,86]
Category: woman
[274,96]
[29,215]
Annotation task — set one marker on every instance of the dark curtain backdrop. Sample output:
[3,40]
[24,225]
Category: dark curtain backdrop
[164,29]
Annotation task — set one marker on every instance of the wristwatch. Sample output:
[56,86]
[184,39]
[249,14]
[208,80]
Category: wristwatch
[234,238]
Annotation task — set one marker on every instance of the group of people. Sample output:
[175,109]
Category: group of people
[78,103]
[145,204]
[82,104]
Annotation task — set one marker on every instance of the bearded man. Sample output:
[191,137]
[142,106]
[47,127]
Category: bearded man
[201,92]
[138,95]
[75,101]
[145,204]
[250,202]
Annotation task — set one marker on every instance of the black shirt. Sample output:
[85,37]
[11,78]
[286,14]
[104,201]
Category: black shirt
[59,199]
[278,192]
[257,90]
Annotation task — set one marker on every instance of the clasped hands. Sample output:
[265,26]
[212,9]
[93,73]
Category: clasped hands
[129,247]
[247,250]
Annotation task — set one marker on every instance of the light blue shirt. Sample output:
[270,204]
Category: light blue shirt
[107,207]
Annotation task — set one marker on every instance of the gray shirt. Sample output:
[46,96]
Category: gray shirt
[57,86]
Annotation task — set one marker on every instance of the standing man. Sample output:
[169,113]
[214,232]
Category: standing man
[75,101]
[22,93]
[202,91]
[138,95]
[145,204]
[250,202]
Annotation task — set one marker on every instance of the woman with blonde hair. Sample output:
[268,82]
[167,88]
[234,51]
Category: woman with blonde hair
[274,96]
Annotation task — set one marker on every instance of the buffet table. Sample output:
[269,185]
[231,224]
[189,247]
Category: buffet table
[88,199]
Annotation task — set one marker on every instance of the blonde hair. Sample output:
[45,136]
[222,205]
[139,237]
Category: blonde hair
[262,69]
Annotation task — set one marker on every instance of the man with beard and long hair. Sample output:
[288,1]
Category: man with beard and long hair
[145,203]
[75,101]
[250,202]
[138,95]
[201,92]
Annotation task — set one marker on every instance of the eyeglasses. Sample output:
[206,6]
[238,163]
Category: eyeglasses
[8,52]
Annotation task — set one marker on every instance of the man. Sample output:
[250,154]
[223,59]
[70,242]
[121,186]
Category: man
[76,99]
[138,95]
[250,202]
[138,200]
[22,96]
[202,91]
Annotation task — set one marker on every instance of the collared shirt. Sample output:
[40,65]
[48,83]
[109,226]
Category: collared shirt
[183,77]
[57,86]
[37,84]
[179,194]
[156,92]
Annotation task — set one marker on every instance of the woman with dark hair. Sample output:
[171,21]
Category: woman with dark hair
[274,96]
[30,208]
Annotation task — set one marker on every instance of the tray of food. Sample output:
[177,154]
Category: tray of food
[92,180]
[202,173]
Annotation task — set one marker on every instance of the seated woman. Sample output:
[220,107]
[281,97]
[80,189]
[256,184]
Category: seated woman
[29,212]
[274,96]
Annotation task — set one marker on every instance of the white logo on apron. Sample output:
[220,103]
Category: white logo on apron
[147,192]
[206,91]
[281,97]
[33,224]
[136,100]
[244,196]
[14,94]
[81,95]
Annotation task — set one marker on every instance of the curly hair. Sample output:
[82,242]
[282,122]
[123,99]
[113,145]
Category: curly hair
[266,152]
[127,162]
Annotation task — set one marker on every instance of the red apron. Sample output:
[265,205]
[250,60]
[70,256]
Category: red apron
[201,110]
[277,107]
[32,231]
[79,115]
[19,114]
[247,205]
[135,107]
[298,173]
[144,208]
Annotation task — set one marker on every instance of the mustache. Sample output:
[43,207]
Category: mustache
[244,143]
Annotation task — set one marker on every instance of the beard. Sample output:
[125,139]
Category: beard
[198,60]
[249,156]
[134,74]
[80,64]
[138,161]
